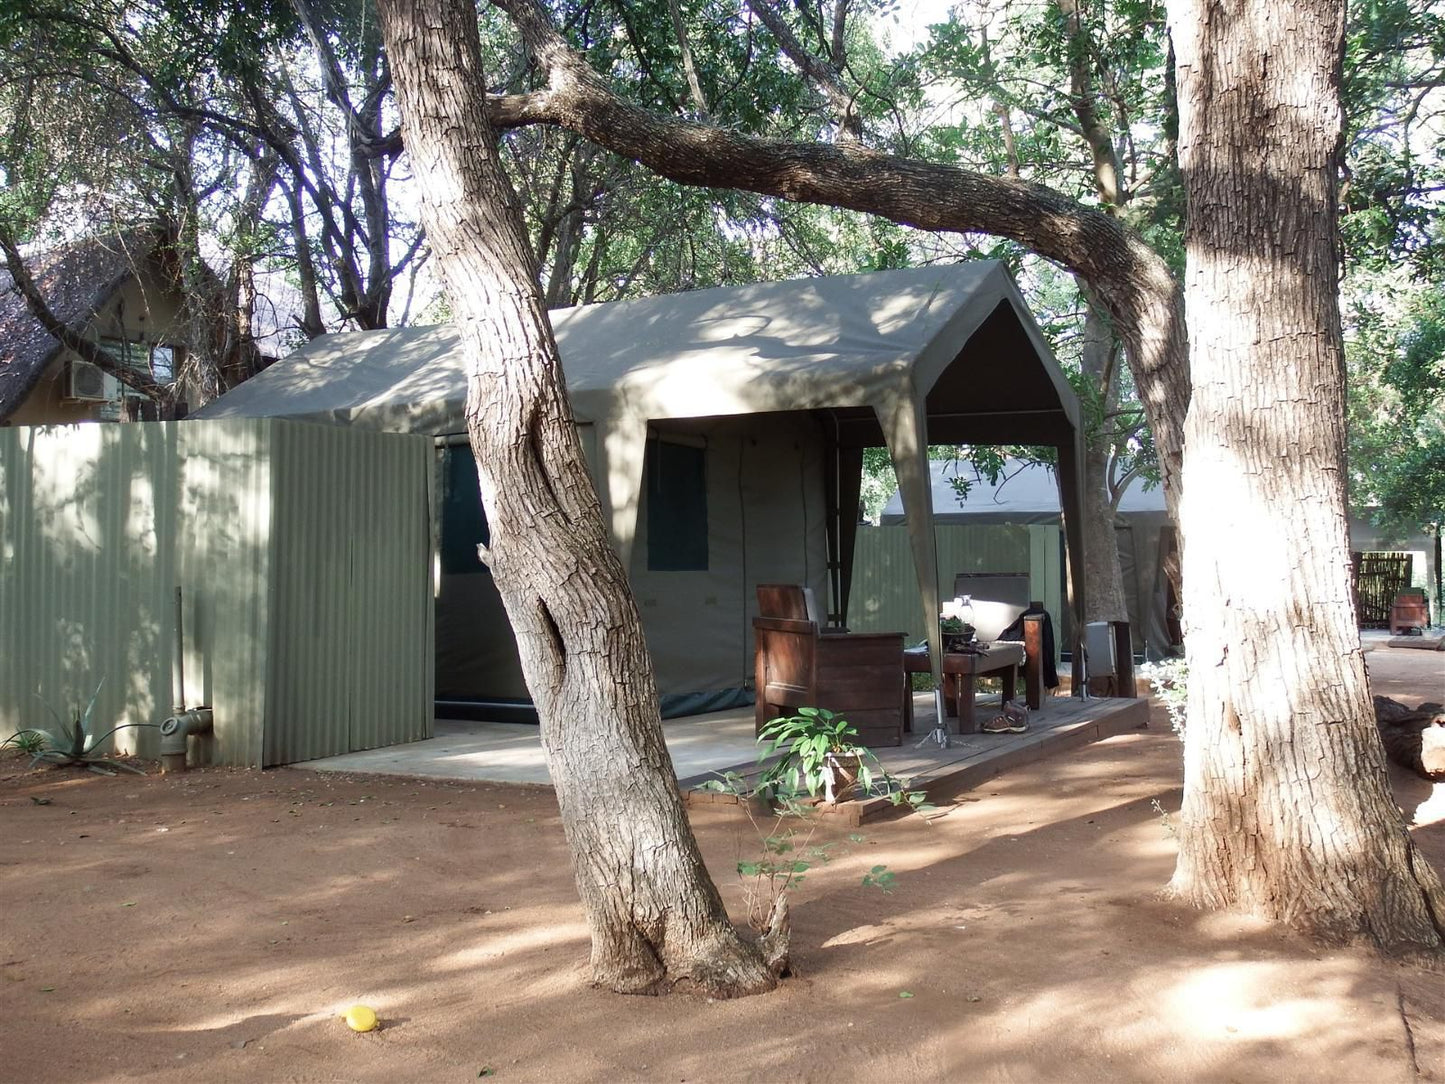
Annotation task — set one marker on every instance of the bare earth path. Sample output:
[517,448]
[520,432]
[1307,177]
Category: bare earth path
[209,927]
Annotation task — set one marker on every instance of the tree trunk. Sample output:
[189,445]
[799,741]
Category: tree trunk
[1103,578]
[1287,807]
[312,325]
[656,918]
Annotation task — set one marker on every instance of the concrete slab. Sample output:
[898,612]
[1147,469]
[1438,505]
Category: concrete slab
[512,752]
[1426,640]
[702,745]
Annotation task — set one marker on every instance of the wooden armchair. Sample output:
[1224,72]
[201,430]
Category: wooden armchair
[1410,610]
[798,663]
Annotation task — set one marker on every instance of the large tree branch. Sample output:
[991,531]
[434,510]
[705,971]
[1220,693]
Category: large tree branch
[1132,281]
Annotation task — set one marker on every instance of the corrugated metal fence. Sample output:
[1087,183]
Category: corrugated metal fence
[303,554]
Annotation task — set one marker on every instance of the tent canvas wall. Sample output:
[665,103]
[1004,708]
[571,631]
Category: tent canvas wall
[780,385]
[302,553]
[1027,495]
[752,483]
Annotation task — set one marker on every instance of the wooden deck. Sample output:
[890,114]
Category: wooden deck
[1062,724]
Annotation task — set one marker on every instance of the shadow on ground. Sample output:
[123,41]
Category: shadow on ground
[213,926]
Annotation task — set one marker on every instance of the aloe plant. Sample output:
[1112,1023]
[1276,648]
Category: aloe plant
[26,741]
[73,744]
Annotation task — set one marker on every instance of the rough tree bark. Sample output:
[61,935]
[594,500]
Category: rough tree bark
[1287,807]
[655,917]
[1103,577]
[1131,280]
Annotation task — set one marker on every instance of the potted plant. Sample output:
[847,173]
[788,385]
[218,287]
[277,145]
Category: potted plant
[955,623]
[818,749]
[956,634]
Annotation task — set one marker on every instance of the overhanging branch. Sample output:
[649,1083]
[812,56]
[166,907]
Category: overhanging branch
[1133,282]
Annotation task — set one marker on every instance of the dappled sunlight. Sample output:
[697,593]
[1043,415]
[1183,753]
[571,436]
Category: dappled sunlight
[859,935]
[541,936]
[1229,1005]
[230,1021]
[63,465]
[140,528]
[1431,811]
[1022,940]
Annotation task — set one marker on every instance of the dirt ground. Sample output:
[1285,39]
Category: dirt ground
[211,926]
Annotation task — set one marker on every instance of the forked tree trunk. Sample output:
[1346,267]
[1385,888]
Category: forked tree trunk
[1287,808]
[654,914]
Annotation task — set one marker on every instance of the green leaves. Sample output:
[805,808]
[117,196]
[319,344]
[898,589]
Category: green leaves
[1394,54]
[1396,355]
[807,740]
[881,878]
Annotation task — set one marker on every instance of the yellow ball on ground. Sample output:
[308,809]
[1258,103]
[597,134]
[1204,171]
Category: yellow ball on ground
[360,1018]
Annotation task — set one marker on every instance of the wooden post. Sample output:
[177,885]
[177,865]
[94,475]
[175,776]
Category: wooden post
[1034,660]
[1123,662]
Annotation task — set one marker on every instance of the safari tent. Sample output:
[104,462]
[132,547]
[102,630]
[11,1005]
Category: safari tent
[725,430]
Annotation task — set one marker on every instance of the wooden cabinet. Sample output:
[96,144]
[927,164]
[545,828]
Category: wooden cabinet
[1409,611]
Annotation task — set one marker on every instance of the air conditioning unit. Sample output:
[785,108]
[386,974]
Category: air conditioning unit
[89,383]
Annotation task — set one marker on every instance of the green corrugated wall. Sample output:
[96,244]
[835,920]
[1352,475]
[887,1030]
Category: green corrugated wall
[352,603]
[884,596]
[99,523]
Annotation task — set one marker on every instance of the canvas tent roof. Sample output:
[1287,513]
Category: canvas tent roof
[1025,493]
[809,343]
[947,352]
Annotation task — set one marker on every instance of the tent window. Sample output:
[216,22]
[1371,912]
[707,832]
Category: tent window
[676,507]
[464,525]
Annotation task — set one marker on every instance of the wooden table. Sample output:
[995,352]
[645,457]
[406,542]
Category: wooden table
[960,675]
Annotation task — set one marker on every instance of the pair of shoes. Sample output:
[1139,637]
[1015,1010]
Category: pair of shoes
[1003,724]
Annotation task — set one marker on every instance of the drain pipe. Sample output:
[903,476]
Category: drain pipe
[182,723]
[175,731]
[178,671]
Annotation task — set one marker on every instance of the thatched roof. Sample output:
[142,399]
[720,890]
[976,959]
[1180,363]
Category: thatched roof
[76,281]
